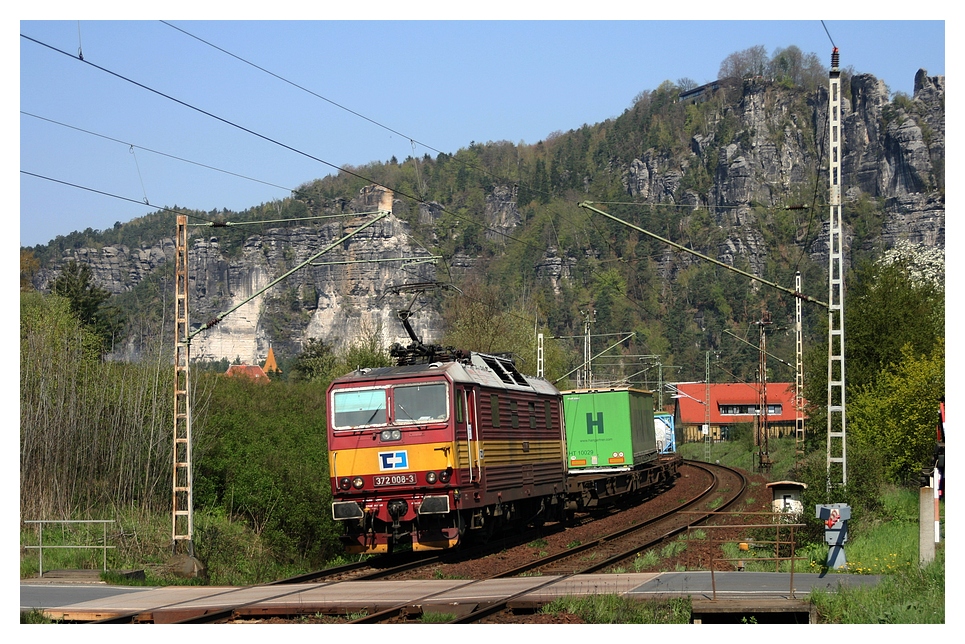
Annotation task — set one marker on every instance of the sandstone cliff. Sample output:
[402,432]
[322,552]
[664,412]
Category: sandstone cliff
[775,141]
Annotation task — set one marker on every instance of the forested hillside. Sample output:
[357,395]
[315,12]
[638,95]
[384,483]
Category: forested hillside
[735,170]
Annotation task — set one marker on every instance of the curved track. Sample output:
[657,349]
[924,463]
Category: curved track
[598,555]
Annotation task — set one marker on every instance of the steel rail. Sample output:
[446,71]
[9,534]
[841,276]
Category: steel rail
[501,605]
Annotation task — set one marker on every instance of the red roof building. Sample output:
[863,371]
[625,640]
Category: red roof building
[730,405]
[254,372]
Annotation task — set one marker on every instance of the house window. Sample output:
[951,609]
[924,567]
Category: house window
[749,410]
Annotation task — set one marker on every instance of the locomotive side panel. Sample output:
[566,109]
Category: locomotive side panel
[523,454]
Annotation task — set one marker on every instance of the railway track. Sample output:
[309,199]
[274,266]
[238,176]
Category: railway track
[597,555]
[611,550]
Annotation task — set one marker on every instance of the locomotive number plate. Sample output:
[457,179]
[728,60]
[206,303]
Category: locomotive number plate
[395,479]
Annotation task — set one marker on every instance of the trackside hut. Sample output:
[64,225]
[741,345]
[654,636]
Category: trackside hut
[730,405]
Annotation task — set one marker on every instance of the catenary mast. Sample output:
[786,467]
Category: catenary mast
[837,447]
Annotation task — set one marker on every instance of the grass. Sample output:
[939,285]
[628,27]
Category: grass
[35,617]
[233,553]
[617,609]
[72,546]
[885,544]
[907,593]
[737,453]
[910,595]
[673,548]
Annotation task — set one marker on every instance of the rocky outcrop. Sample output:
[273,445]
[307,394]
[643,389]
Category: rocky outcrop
[893,153]
[501,213]
[758,153]
[338,296]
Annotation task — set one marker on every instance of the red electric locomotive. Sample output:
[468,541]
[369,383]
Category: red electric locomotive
[441,447]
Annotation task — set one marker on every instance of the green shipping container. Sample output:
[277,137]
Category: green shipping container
[609,429]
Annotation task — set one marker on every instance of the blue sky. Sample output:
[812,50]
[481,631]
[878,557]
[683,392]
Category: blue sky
[415,87]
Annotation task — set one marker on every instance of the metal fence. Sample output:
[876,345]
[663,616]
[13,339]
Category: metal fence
[779,522]
[41,523]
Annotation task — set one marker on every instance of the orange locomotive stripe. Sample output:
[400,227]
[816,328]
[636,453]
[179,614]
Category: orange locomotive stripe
[400,458]
[369,461]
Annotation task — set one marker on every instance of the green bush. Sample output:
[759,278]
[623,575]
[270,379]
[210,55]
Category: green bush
[262,460]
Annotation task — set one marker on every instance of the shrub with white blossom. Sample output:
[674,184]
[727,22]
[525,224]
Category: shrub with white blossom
[924,264]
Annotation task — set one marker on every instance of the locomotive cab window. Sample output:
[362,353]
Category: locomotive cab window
[427,402]
[354,408]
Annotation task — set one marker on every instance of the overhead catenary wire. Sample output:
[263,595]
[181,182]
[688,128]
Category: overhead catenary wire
[136,165]
[296,85]
[209,222]
[271,140]
[419,198]
[458,216]
[244,129]
[281,78]
[106,194]
[158,152]
[807,298]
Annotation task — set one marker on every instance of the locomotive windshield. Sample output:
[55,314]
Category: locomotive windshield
[421,403]
[359,407]
[425,402]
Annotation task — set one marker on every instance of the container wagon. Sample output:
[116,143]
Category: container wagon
[666,436]
[612,448]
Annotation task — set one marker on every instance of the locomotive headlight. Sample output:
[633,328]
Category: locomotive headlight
[430,477]
[357,482]
[445,475]
[344,483]
[391,435]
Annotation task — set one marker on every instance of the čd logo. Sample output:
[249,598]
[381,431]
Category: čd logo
[393,460]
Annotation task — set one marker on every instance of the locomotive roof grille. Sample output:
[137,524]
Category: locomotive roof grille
[505,369]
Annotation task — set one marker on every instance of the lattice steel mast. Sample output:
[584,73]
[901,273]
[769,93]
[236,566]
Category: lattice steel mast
[799,438]
[837,472]
[182,520]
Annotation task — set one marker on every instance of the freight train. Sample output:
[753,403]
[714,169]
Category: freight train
[450,446]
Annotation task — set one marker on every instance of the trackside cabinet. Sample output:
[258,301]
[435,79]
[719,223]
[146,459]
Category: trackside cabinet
[609,429]
[835,517]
